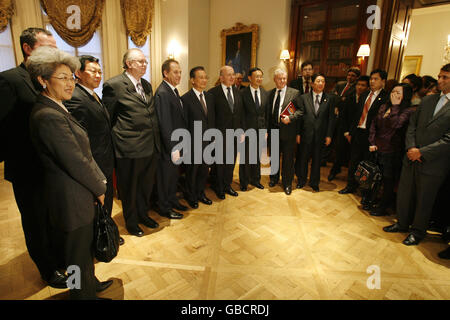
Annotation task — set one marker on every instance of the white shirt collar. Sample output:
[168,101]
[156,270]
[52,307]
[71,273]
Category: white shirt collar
[133,79]
[91,92]
[171,86]
[317,94]
[197,93]
[447,95]
[224,87]
[282,90]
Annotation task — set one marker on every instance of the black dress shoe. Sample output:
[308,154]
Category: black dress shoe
[58,280]
[378,212]
[121,241]
[346,190]
[300,185]
[149,222]
[172,215]
[394,228]
[272,184]
[411,240]
[288,190]
[220,194]
[446,235]
[180,207]
[244,188]
[136,231]
[444,254]
[205,200]
[315,188]
[231,192]
[368,206]
[193,204]
[258,185]
[102,286]
[331,176]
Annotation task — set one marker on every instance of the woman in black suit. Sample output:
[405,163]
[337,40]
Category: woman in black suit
[72,179]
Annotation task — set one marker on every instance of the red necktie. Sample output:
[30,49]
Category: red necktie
[307,87]
[345,89]
[365,110]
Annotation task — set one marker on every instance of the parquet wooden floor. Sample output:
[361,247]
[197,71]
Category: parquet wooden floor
[260,245]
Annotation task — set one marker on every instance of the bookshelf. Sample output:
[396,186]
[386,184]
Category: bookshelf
[328,33]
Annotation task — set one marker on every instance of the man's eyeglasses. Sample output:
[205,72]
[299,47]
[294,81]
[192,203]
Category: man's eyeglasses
[143,61]
[94,72]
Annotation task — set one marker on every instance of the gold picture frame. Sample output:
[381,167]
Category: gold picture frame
[411,64]
[239,45]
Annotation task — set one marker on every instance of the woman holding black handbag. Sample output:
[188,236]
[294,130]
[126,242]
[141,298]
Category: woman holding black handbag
[72,179]
[386,137]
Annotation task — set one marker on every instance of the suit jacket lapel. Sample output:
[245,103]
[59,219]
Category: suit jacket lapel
[132,89]
[52,104]
[175,99]
[198,104]
[432,117]
[310,103]
[323,103]
[26,77]
[100,106]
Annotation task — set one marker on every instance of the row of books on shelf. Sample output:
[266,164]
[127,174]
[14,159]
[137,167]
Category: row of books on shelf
[342,33]
[315,35]
[340,52]
[311,52]
[337,70]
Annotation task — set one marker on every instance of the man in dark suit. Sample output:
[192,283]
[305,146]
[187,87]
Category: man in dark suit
[88,109]
[426,163]
[229,115]
[279,99]
[316,130]
[303,82]
[358,134]
[136,139]
[343,90]
[171,115]
[22,165]
[200,110]
[255,100]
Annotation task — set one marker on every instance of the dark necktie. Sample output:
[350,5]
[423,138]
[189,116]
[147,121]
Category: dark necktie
[178,96]
[257,100]
[307,87]
[230,99]
[276,109]
[202,101]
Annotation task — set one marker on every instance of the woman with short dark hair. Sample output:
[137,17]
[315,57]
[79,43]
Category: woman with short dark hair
[387,138]
[72,179]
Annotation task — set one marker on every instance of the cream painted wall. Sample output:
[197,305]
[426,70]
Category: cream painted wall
[429,31]
[175,27]
[273,19]
[199,16]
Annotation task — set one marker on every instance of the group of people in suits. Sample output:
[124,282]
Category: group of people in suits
[67,142]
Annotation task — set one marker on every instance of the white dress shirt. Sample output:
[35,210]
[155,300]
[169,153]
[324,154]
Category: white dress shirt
[252,90]
[225,91]
[282,95]
[197,93]
[135,81]
[375,95]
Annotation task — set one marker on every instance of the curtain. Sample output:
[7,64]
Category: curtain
[137,15]
[75,21]
[6,11]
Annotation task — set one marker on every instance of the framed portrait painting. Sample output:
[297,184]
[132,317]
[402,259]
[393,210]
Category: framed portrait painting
[239,45]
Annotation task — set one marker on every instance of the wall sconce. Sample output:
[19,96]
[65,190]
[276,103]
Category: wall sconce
[447,51]
[173,49]
[285,55]
[364,51]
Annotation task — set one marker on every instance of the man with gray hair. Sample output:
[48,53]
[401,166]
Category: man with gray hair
[22,165]
[136,138]
[279,99]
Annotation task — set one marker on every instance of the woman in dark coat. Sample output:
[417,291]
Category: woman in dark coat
[72,179]
[387,135]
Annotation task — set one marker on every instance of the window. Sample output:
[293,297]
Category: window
[93,48]
[7,57]
[146,50]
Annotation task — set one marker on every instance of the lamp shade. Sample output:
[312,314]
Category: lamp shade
[364,51]
[285,55]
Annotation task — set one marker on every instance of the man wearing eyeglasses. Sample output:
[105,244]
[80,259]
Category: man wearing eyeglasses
[88,109]
[136,139]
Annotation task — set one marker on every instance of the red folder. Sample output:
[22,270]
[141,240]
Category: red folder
[289,110]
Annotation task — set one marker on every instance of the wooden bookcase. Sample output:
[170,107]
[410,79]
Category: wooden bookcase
[329,34]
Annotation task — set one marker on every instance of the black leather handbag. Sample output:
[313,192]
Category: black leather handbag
[368,173]
[106,235]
